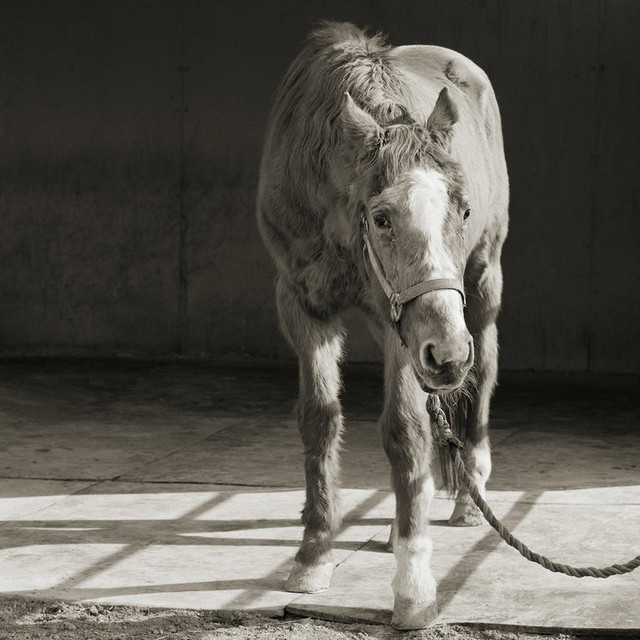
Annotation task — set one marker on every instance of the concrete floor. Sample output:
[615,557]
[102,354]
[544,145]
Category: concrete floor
[180,485]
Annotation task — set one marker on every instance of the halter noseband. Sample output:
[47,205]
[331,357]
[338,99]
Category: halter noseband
[398,300]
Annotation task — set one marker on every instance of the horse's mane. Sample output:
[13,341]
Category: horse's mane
[339,58]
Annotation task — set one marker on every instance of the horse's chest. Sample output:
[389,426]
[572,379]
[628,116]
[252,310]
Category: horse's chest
[327,280]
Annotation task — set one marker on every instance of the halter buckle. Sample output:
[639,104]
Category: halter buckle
[396,307]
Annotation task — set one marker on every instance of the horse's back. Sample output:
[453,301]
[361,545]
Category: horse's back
[477,144]
[431,62]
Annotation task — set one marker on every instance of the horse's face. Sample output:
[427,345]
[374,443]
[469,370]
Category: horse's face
[416,230]
[415,222]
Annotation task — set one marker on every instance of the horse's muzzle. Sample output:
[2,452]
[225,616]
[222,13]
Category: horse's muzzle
[444,369]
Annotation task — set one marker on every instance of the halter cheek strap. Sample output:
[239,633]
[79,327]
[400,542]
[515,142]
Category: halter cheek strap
[398,300]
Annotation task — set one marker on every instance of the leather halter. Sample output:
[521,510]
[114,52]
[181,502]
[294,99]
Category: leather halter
[398,300]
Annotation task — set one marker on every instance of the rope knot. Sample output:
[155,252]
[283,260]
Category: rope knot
[442,431]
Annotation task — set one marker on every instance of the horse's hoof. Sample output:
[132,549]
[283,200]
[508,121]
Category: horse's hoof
[309,578]
[466,515]
[408,614]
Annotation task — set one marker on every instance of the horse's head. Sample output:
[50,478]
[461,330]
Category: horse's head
[410,197]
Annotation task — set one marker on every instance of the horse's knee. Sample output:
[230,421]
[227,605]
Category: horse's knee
[318,420]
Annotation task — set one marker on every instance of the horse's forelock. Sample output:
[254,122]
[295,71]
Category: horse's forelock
[402,148]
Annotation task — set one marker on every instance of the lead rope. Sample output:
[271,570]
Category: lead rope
[445,437]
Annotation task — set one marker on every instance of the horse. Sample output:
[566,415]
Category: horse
[383,186]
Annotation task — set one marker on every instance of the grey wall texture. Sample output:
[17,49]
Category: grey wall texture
[130,134]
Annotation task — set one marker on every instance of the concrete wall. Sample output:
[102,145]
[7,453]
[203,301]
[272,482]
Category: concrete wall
[129,141]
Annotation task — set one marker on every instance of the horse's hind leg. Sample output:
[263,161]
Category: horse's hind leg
[318,344]
[483,303]
[407,442]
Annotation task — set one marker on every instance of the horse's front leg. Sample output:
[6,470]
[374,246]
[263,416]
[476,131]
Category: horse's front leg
[318,344]
[407,442]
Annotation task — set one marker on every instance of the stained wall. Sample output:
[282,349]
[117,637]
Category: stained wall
[130,135]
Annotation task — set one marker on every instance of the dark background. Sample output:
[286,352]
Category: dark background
[130,134]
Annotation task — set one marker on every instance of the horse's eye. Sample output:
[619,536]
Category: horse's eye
[381,221]
[467,213]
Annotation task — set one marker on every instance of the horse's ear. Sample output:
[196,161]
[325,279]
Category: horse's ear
[442,119]
[357,125]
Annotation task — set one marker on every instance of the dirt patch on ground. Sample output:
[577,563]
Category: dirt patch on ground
[22,619]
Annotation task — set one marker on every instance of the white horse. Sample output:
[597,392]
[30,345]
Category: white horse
[383,185]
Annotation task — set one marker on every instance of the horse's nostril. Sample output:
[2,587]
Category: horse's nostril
[436,356]
[469,361]
[429,357]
